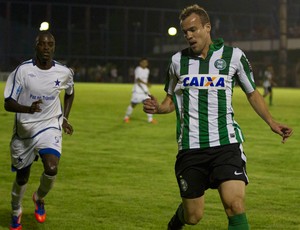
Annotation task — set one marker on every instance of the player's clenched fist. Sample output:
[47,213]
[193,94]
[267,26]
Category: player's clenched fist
[35,106]
[150,105]
[68,128]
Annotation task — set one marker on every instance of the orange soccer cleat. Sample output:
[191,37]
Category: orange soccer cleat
[39,212]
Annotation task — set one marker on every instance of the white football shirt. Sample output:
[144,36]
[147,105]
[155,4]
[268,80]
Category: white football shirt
[143,75]
[27,84]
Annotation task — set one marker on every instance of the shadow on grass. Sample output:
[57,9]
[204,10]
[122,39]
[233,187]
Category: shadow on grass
[28,221]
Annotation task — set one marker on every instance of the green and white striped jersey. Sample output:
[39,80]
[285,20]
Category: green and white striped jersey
[202,94]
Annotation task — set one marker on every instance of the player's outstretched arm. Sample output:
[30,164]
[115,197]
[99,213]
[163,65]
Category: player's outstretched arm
[258,104]
[152,106]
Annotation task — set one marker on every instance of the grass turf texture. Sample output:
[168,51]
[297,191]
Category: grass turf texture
[114,175]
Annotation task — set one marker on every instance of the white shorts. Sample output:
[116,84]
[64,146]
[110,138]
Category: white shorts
[137,98]
[25,151]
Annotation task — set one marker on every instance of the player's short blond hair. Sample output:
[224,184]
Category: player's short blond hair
[196,9]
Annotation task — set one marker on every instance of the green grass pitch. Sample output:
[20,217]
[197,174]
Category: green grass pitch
[116,176]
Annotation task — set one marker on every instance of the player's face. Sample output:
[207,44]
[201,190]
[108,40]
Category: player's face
[196,34]
[45,47]
[144,64]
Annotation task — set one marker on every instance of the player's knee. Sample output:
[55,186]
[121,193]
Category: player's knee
[193,218]
[236,207]
[51,169]
[22,181]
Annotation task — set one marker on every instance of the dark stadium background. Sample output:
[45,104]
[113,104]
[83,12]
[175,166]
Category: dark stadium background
[100,38]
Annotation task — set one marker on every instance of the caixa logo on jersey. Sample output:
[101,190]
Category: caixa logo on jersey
[204,81]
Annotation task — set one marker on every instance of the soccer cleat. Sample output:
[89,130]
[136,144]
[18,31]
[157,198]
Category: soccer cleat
[175,224]
[16,223]
[39,212]
[126,120]
[153,121]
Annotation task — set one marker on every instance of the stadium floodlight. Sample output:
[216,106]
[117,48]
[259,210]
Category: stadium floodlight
[44,26]
[172,31]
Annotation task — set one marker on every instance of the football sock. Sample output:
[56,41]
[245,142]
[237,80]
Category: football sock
[238,222]
[150,117]
[180,214]
[46,183]
[17,195]
[129,111]
[177,221]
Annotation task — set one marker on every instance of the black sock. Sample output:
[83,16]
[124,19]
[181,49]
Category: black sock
[177,220]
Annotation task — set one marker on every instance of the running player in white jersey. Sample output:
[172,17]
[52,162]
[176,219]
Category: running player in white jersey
[199,88]
[32,92]
[140,89]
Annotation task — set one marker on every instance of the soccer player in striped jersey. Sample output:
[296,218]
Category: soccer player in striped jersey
[33,92]
[199,88]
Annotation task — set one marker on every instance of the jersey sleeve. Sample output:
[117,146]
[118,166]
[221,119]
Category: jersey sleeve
[137,73]
[245,74]
[171,79]
[14,85]
[70,83]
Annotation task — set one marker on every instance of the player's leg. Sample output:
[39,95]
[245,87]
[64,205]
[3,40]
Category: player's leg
[19,187]
[129,111]
[50,162]
[17,194]
[266,92]
[47,179]
[151,119]
[141,98]
[49,149]
[232,175]
[22,157]
[192,180]
[190,212]
[270,96]
[232,194]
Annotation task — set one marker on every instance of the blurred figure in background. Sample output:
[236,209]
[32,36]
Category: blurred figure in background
[140,89]
[268,83]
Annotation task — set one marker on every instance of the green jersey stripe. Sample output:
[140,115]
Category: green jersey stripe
[239,135]
[222,100]
[178,120]
[203,108]
[247,70]
[184,67]
[167,80]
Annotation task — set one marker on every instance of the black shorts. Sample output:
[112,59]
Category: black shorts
[200,169]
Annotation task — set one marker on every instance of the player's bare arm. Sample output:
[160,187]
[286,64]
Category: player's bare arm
[13,106]
[67,127]
[68,101]
[152,106]
[258,104]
